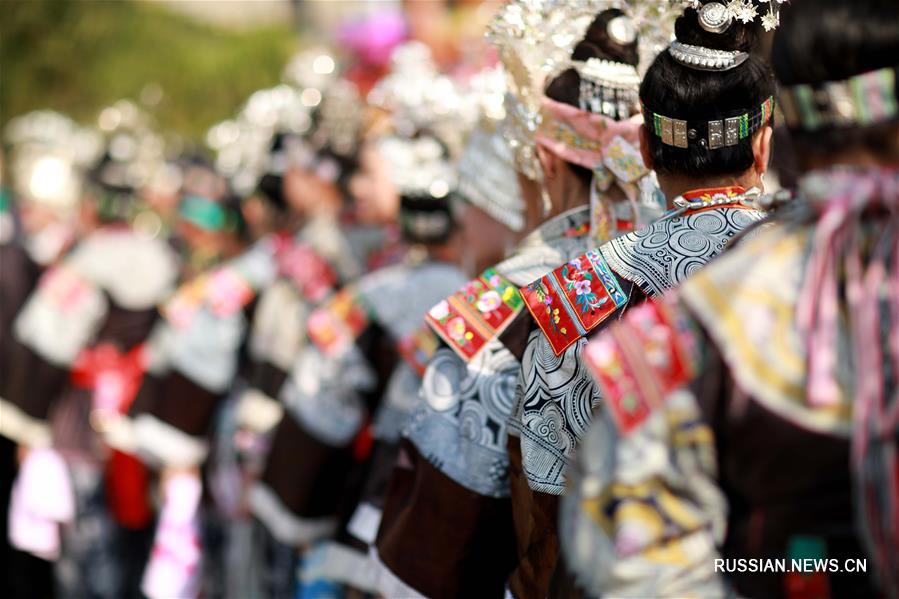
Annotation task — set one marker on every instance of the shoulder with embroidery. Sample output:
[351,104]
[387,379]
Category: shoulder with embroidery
[666,252]
[640,360]
[475,314]
[575,298]
[224,290]
[135,270]
[61,315]
[335,325]
[310,273]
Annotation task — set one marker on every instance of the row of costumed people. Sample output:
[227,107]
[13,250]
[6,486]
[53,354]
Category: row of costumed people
[334,407]
[683,386]
[152,318]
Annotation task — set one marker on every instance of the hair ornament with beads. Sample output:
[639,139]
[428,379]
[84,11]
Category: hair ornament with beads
[717,18]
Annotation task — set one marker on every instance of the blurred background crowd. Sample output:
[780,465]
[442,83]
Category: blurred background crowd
[202,128]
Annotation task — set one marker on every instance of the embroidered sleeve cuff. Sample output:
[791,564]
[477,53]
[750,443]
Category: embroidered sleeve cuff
[163,444]
[284,524]
[258,412]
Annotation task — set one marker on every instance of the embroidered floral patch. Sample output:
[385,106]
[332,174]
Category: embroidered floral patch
[418,348]
[573,299]
[64,288]
[475,314]
[309,272]
[225,291]
[639,361]
[334,327]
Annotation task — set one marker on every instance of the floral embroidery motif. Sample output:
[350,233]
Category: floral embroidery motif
[334,327]
[64,288]
[310,273]
[225,291]
[418,348]
[573,299]
[637,363]
[475,314]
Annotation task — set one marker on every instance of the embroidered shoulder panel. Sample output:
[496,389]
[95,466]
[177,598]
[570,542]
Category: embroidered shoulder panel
[573,299]
[639,361]
[418,348]
[334,327]
[661,255]
[61,316]
[477,313]
[224,290]
[309,272]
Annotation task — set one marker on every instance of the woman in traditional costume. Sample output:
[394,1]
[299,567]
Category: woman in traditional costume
[753,413]
[707,104]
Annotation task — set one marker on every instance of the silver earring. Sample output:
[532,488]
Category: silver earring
[547,201]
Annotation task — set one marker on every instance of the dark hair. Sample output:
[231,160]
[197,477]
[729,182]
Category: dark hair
[271,184]
[425,218]
[231,203]
[347,165]
[832,40]
[345,158]
[596,43]
[271,188]
[680,92]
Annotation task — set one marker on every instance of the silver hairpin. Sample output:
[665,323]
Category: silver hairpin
[706,59]
[622,30]
[714,17]
[717,17]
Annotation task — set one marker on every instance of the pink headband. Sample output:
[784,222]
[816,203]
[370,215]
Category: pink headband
[580,137]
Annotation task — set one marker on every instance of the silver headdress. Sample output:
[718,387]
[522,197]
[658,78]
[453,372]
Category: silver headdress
[243,144]
[706,59]
[48,153]
[609,88]
[420,98]
[335,101]
[487,178]
[535,39]
[717,17]
[418,166]
[314,109]
[486,170]
[424,178]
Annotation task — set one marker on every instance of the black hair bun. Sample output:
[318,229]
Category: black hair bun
[738,36]
[598,43]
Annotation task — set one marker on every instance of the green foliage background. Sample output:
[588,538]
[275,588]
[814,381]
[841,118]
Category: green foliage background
[78,56]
